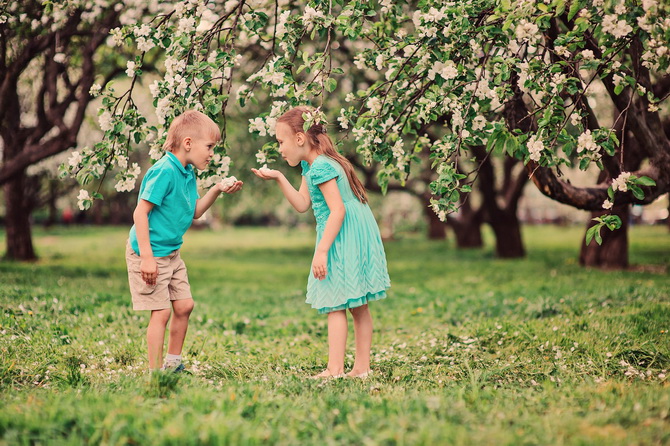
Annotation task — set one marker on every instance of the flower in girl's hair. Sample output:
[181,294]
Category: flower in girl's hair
[314,117]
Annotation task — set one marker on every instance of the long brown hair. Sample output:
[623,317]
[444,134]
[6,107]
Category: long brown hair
[319,139]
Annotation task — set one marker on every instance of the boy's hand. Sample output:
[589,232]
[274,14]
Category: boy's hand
[320,265]
[149,270]
[229,187]
[266,174]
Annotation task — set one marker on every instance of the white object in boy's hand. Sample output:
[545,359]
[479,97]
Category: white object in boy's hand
[227,182]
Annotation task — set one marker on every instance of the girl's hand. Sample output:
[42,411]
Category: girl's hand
[320,265]
[267,174]
[229,188]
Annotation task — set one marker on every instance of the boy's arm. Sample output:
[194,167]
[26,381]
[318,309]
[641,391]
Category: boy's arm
[148,266]
[207,200]
[331,193]
[299,199]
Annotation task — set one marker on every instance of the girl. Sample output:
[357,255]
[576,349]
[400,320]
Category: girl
[349,265]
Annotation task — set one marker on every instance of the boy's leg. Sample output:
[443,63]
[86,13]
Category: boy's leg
[363,335]
[181,311]
[156,337]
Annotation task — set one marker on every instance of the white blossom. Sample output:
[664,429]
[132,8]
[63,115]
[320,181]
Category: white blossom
[607,204]
[257,125]
[535,148]
[617,28]
[95,90]
[587,55]
[526,30]
[620,182]
[130,71]
[374,104]
[105,121]
[144,44]
[585,142]
[75,159]
[446,70]
[83,196]
[310,16]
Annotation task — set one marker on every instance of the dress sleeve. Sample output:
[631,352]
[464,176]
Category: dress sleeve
[322,172]
[305,167]
[157,184]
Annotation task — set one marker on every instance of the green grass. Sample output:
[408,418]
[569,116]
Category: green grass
[468,349]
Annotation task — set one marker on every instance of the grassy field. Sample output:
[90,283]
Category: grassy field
[468,349]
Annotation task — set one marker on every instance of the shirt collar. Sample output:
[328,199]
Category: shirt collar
[174,160]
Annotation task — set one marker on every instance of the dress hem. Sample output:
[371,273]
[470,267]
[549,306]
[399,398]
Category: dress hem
[353,303]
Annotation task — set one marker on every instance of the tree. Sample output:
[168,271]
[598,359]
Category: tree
[50,55]
[495,77]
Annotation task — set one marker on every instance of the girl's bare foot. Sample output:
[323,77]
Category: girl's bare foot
[326,374]
[357,374]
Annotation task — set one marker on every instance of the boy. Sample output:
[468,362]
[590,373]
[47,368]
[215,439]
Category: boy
[167,204]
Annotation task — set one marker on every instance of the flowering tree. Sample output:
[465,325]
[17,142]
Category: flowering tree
[508,77]
[50,55]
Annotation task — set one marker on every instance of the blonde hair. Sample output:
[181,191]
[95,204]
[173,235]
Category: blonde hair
[321,142]
[190,124]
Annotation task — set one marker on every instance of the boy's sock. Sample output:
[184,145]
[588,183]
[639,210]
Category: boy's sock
[172,360]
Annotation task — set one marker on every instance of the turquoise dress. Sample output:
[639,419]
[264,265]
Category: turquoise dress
[357,272]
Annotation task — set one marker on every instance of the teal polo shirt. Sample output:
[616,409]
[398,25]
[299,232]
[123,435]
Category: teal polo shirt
[172,189]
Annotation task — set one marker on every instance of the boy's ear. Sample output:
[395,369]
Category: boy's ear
[186,142]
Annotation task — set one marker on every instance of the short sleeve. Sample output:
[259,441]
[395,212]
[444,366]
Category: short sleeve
[322,172]
[305,167]
[156,185]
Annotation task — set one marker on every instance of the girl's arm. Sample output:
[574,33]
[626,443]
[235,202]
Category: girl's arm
[207,200]
[299,199]
[333,225]
[148,265]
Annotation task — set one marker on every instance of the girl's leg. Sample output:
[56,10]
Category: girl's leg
[156,337]
[337,343]
[179,325]
[363,335]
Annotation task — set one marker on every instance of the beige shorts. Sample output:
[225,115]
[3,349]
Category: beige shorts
[171,283]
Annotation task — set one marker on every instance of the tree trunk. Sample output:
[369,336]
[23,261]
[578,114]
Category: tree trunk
[468,228]
[613,253]
[52,196]
[507,229]
[437,229]
[19,237]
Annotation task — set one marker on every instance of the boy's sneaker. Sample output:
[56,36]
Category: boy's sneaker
[176,367]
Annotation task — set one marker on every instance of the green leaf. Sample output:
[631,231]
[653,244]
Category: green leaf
[618,89]
[584,163]
[331,84]
[575,7]
[645,181]
[637,192]
[610,193]
[599,238]
[591,232]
